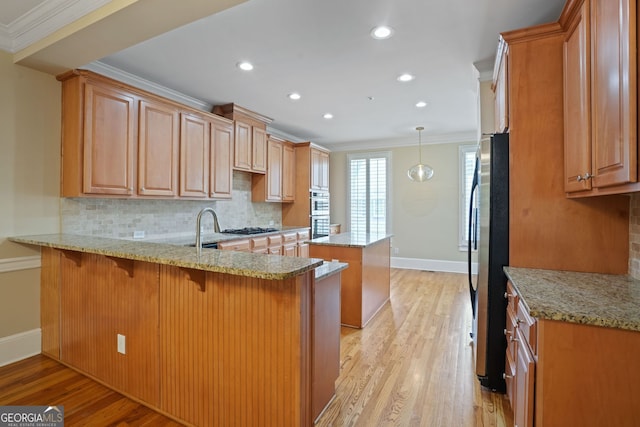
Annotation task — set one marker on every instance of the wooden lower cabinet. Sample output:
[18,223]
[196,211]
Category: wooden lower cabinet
[208,349]
[570,374]
[365,284]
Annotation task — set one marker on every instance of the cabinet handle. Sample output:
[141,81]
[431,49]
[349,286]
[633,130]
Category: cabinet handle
[586,176]
[512,339]
[506,377]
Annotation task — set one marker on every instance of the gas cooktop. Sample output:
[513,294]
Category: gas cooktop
[249,230]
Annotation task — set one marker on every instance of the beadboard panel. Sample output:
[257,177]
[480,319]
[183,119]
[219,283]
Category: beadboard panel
[234,349]
[50,302]
[100,301]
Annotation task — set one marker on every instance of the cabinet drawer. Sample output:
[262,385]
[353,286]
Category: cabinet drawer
[512,297]
[258,243]
[304,235]
[527,326]
[275,240]
[241,245]
[290,237]
[510,377]
[510,334]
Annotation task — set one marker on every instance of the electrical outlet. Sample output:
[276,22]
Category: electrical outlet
[138,234]
[122,344]
[271,222]
[396,251]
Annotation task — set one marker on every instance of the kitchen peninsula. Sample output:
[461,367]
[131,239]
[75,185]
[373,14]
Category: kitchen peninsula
[366,283]
[221,338]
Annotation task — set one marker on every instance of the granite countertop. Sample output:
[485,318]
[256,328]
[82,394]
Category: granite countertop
[208,237]
[352,240]
[589,298]
[329,268]
[273,267]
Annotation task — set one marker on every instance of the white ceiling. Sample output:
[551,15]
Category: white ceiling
[322,49]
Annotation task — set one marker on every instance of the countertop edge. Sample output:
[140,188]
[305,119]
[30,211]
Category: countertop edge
[233,270]
[563,315]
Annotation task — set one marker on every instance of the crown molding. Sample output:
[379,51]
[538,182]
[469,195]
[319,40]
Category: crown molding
[450,138]
[284,135]
[149,86]
[43,20]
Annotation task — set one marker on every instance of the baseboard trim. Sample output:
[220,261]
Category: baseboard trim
[432,265]
[20,346]
[22,263]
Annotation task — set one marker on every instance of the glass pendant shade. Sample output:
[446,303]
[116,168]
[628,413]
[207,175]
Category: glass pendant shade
[420,172]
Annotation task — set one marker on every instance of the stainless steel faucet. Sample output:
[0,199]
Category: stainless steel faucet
[216,227]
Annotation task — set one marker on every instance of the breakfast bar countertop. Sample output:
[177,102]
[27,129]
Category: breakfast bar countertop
[606,300]
[350,239]
[272,267]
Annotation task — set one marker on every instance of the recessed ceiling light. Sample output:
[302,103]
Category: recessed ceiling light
[294,96]
[328,116]
[406,77]
[245,65]
[421,104]
[381,32]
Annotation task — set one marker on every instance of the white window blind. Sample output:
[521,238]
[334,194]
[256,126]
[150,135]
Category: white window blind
[369,192]
[467,155]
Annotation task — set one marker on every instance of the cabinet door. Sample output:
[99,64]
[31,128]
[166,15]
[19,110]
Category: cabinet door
[274,171]
[577,104]
[259,150]
[158,144]
[288,173]
[221,160]
[324,171]
[194,156]
[242,146]
[613,39]
[501,108]
[525,376]
[109,141]
[290,249]
[316,162]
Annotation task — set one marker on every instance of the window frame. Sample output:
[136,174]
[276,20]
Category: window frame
[387,155]
[463,208]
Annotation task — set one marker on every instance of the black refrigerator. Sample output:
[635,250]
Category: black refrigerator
[489,234]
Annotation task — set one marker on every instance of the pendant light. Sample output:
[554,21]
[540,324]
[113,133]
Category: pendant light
[420,172]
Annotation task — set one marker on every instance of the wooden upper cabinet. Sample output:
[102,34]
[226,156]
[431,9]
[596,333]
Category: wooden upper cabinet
[194,156]
[221,159]
[274,170]
[319,170]
[270,186]
[288,172]
[242,147]
[600,83]
[614,81]
[577,103]
[250,143]
[500,89]
[259,150]
[158,149]
[109,140]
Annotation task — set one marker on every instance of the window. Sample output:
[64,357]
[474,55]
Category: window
[368,196]
[467,167]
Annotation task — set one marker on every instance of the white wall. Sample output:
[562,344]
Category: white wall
[424,216]
[29,187]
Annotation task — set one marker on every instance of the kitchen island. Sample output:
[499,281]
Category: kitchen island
[366,283]
[574,340]
[216,339]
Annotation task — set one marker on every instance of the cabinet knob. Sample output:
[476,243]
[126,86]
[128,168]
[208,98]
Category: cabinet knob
[584,177]
[506,377]
[142,189]
[512,339]
[506,295]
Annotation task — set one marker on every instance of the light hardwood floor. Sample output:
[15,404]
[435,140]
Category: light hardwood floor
[412,365]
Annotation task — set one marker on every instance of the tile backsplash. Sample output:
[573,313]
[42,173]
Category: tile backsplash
[121,217]
[634,236]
